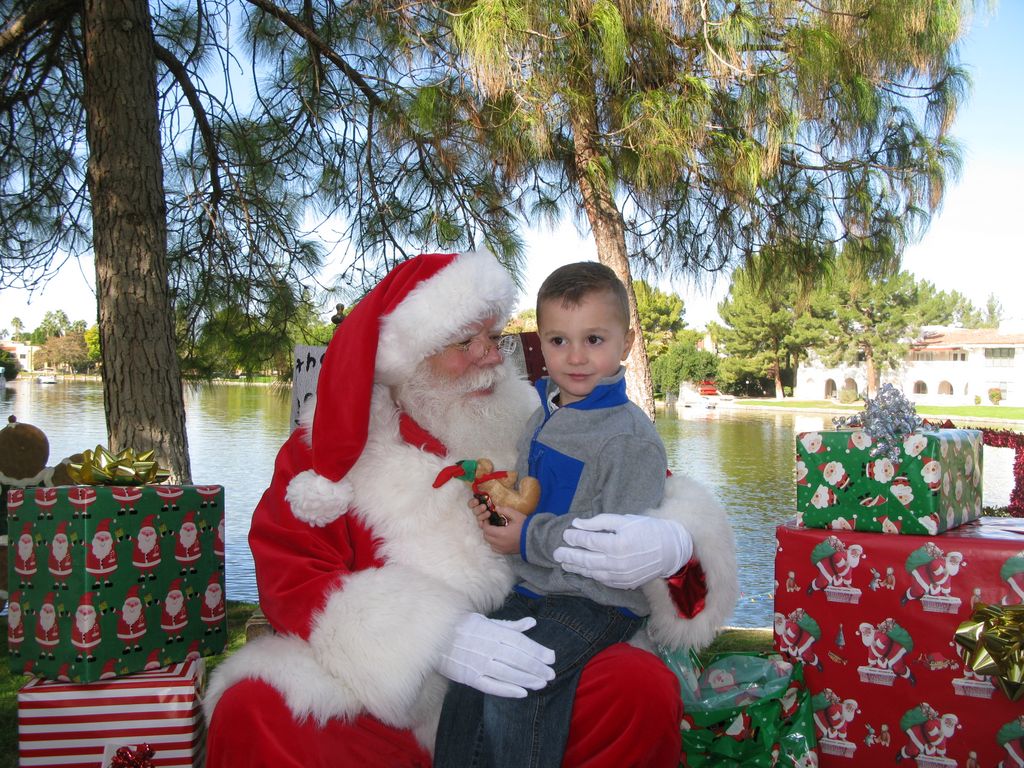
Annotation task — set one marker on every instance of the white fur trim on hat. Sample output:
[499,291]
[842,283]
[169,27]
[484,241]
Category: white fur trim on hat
[316,500]
[469,289]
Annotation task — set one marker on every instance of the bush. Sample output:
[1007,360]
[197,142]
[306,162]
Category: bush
[977,399]
[995,395]
[787,391]
[848,395]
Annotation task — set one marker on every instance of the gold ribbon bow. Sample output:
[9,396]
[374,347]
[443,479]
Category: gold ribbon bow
[993,640]
[100,467]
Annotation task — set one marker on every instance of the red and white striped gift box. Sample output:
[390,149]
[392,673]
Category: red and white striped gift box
[71,724]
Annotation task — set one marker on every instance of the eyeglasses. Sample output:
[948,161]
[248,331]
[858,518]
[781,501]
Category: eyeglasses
[478,349]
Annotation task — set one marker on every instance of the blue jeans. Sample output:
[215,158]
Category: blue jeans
[482,731]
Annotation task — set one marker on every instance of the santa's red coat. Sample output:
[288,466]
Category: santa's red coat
[131,631]
[85,641]
[384,581]
[101,566]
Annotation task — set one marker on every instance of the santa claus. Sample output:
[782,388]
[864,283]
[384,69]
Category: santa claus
[146,552]
[211,612]
[81,497]
[131,622]
[377,583]
[15,625]
[85,632]
[174,616]
[187,550]
[47,628]
[218,544]
[101,556]
[931,473]
[59,560]
[25,557]
[46,498]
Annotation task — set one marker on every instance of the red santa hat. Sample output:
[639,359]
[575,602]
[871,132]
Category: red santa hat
[26,530]
[133,591]
[49,598]
[148,521]
[62,528]
[190,517]
[108,670]
[85,599]
[418,308]
[103,526]
[214,579]
[175,586]
[153,660]
[15,596]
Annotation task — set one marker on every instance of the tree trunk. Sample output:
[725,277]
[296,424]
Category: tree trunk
[610,237]
[777,375]
[141,377]
[871,373]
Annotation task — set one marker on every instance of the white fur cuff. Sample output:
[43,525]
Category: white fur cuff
[316,500]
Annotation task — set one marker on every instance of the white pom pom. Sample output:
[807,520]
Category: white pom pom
[316,500]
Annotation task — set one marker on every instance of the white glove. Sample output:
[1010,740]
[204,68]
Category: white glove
[495,657]
[624,551]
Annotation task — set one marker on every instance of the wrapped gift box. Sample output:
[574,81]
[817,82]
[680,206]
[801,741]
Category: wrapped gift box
[934,485]
[77,725]
[105,580]
[873,618]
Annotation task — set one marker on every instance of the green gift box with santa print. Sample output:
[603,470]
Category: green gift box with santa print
[107,580]
[932,483]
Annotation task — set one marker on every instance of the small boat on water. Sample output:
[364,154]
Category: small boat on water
[47,378]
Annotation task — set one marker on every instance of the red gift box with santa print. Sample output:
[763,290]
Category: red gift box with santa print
[844,482]
[105,580]
[873,619]
[84,724]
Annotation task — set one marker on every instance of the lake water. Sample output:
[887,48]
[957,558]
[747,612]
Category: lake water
[234,432]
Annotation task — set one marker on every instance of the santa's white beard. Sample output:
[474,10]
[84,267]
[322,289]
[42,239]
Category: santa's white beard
[13,617]
[173,603]
[187,535]
[460,420]
[59,548]
[101,546]
[131,611]
[85,620]
[146,540]
[25,547]
[47,617]
[213,596]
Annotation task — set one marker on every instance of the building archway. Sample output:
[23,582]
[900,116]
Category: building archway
[850,384]
[945,388]
[831,390]
[920,388]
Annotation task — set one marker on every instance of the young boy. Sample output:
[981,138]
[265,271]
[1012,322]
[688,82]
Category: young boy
[593,451]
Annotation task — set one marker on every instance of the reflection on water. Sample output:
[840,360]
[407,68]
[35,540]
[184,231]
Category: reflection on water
[234,431]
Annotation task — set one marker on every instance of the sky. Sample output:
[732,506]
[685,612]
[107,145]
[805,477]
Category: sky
[972,246]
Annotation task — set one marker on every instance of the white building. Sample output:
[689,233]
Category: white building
[23,353]
[945,366]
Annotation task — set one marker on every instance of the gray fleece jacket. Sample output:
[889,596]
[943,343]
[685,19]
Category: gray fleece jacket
[600,454]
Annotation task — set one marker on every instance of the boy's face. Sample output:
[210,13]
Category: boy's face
[582,344]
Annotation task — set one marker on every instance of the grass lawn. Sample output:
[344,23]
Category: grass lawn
[966,412]
[237,614]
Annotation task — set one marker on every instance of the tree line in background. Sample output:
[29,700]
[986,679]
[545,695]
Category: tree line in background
[196,150]
[768,328]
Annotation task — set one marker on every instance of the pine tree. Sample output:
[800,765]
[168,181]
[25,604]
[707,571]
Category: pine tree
[691,136]
[870,320]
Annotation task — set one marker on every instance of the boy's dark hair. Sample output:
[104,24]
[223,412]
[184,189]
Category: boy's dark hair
[573,282]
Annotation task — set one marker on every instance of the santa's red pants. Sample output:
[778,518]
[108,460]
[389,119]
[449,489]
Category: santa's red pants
[626,714]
